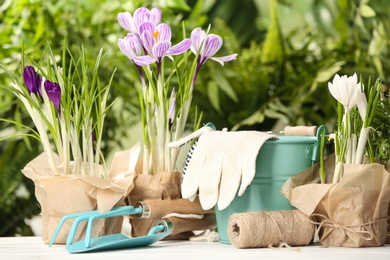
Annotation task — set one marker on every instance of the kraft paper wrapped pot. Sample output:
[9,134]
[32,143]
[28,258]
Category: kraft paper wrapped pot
[277,161]
[61,195]
[350,213]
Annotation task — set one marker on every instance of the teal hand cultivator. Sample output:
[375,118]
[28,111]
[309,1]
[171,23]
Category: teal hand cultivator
[162,229]
[172,217]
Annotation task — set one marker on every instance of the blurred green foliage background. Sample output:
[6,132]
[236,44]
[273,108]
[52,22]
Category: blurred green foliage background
[287,52]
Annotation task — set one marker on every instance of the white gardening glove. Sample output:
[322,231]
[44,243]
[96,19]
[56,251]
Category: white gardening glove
[219,162]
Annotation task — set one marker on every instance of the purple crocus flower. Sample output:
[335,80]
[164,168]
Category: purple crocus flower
[211,45]
[32,80]
[53,91]
[157,42]
[207,45]
[141,15]
[131,46]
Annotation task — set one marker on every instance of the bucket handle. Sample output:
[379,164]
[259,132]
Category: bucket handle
[313,152]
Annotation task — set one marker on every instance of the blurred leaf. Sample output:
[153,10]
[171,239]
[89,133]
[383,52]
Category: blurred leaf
[176,4]
[366,11]
[255,118]
[325,74]
[224,85]
[212,92]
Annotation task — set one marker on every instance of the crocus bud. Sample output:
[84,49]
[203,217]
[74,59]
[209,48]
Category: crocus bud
[53,91]
[32,79]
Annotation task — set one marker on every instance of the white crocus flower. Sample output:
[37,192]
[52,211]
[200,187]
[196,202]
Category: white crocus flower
[344,90]
[347,91]
[350,147]
[361,101]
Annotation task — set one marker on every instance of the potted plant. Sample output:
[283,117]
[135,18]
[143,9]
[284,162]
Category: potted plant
[348,194]
[67,103]
[167,73]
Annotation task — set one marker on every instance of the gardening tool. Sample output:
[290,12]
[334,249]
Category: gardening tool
[114,241]
[119,241]
[171,220]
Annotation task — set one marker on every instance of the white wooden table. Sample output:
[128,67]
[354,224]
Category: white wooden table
[33,248]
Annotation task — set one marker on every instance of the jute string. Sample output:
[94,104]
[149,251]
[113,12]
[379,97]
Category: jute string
[357,230]
[270,229]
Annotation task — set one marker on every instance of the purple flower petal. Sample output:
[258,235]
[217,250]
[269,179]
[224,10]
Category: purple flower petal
[32,80]
[212,45]
[179,48]
[53,91]
[155,16]
[197,37]
[131,45]
[160,49]
[164,32]
[207,46]
[143,15]
[224,59]
[148,40]
[147,26]
[127,22]
[144,60]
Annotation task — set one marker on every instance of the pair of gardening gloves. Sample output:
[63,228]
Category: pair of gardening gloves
[220,163]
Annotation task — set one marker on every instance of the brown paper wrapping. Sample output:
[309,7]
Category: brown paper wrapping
[162,186]
[161,193]
[387,167]
[388,226]
[68,194]
[161,208]
[350,213]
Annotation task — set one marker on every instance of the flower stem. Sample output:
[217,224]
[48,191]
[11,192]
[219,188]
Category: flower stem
[322,167]
[161,122]
[361,148]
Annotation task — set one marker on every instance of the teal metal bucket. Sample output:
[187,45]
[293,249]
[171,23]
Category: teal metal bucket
[277,161]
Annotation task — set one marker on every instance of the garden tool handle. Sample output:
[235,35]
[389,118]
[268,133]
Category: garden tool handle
[159,208]
[178,225]
[300,130]
[166,224]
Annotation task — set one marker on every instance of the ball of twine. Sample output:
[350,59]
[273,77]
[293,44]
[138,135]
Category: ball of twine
[270,229]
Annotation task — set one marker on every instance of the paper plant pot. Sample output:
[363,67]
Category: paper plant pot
[74,193]
[350,213]
[387,166]
[164,185]
[388,226]
[161,195]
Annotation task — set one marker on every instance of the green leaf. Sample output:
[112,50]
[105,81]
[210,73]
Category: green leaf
[378,65]
[257,117]
[270,113]
[212,92]
[328,72]
[225,86]
[40,29]
[176,4]
[366,11]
